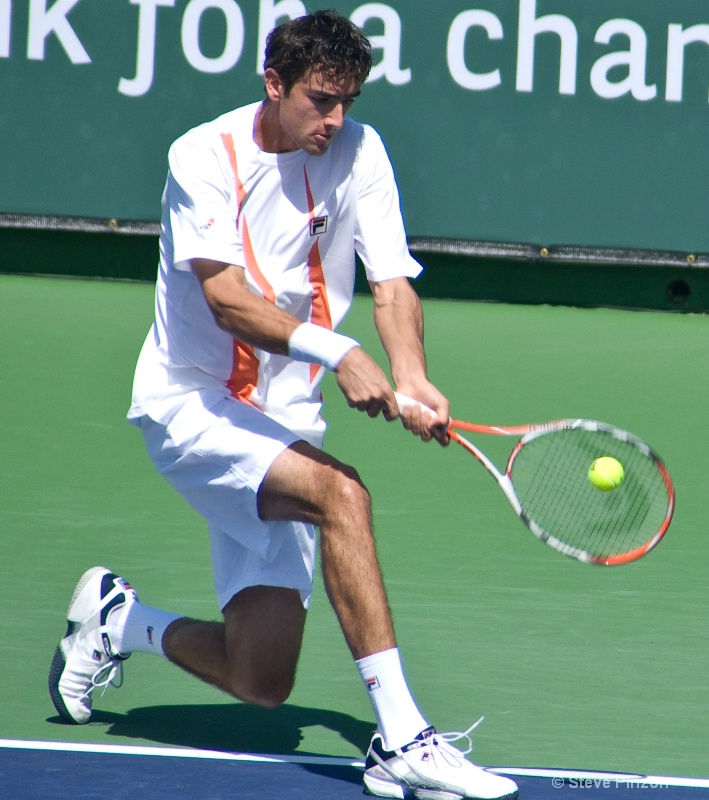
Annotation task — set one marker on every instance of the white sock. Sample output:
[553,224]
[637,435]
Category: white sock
[398,719]
[140,628]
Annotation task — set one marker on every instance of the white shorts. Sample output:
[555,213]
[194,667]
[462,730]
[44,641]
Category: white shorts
[216,457]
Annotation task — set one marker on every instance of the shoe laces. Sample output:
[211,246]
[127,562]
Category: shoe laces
[454,736]
[110,674]
[440,747]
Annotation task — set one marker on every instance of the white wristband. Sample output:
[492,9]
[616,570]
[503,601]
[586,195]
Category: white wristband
[317,345]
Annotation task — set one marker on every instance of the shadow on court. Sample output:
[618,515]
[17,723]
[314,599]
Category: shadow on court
[232,728]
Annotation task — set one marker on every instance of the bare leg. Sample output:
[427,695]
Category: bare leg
[252,654]
[307,484]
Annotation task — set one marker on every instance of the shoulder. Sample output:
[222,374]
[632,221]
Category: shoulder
[210,135]
[359,135]
[359,144]
[371,157]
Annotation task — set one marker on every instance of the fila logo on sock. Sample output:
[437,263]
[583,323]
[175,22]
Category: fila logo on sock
[149,631]
[372,683]
[318,225]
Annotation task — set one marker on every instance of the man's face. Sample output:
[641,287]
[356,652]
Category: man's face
[313,111]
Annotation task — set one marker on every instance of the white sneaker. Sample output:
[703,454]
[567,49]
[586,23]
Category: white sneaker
[85,658]
[429,768]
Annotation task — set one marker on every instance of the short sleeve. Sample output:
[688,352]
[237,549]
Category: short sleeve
[380,237]
[200,199]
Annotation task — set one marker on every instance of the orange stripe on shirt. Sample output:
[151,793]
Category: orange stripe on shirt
[228,141]
[244,372]
[320,310]
[253,267]
[245,365]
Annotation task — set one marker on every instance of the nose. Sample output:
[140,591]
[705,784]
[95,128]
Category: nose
[336,118]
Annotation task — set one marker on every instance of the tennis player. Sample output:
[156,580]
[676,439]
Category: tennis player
[263,212]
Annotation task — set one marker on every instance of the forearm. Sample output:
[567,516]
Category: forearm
[241,313]
[398,318]
[260,323]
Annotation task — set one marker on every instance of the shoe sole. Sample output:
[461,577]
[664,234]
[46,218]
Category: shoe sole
[55,673]
[376,788]
[380,788]
[59,661]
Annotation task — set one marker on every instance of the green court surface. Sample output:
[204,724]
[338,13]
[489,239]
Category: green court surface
[573,666]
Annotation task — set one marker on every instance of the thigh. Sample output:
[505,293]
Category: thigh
[303,483]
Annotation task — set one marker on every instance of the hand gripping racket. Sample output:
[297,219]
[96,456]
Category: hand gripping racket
[546,481]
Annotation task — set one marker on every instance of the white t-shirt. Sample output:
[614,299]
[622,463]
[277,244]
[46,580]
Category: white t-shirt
[293,222]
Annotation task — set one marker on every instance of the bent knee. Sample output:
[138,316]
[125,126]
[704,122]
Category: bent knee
[267,694]
[270,699]
[345,490]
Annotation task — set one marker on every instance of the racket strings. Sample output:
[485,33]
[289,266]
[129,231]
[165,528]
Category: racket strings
[550,476]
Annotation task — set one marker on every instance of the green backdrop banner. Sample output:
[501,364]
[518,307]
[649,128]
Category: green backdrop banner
[551,121]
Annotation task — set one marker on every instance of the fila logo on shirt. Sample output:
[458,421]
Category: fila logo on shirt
[318,225]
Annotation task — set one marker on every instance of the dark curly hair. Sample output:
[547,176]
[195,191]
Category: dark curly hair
[323,41]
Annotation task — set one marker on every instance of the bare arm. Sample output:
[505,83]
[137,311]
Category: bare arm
[239,311]
[258,322]
[398,318]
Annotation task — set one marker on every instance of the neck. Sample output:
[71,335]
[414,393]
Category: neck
[268,134]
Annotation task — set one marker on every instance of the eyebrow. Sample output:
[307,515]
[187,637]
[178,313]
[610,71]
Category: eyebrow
[335,95]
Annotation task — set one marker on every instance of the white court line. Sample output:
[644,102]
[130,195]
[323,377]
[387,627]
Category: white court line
[588,778]
[179,752]
[175,752]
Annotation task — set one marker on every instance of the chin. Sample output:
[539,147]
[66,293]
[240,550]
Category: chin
[315,148]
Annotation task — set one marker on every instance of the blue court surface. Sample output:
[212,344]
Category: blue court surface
[39,770]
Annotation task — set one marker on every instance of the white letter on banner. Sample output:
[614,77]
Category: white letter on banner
[456,49]
[43,22]
[677,40]
[145,62]
[529,27]
[635,58]
[5,19]
[234,39]
[389,43]
[269,14]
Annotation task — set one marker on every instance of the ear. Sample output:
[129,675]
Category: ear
[275,90]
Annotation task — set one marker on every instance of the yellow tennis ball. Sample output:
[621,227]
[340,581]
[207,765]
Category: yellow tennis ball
[606,473]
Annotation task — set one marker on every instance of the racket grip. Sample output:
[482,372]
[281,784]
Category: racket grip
[404,402]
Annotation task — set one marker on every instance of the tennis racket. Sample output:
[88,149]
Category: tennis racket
[547,484]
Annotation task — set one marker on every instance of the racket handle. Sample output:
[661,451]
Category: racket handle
[404,402]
